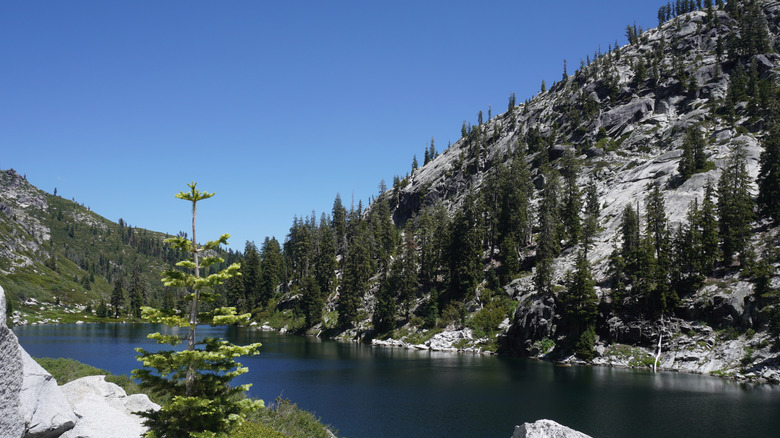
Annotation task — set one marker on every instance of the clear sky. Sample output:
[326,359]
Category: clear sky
[275,106]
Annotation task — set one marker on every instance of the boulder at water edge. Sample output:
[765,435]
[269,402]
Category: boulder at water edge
[11,423]
[546,429]
[104,409]
[46,412]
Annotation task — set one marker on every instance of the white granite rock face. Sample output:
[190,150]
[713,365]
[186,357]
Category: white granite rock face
[546,429]
[11,424]
[104,409]
[46,412]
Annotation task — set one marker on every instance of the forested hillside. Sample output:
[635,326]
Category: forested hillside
[57,256]
[633,199]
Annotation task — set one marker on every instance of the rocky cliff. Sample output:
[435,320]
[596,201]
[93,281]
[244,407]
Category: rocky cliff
[624,117]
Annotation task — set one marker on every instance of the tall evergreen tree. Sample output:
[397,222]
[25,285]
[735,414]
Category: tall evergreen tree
[326,265]
[572,203]
[592,211]
[662,297]
[383,232]
[117,297]
[195,381]
[405,274]
[693,159]
[312,301]
[548,242]
[357,273]
[137,292]
[339,223]
[271,263]
[383,318]
[250,274]
[464,251]
[432,227]
[735,206]
[708,226]
[769,176]
[579,300]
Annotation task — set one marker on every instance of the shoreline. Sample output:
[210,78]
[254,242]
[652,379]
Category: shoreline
[720,360]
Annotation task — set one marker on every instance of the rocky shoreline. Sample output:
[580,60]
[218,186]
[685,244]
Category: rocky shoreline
[33,405]
[687,347]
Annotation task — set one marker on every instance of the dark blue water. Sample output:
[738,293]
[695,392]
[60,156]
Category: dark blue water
[383,392]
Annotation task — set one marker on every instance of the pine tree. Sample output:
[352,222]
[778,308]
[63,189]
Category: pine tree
[592,210]
[271,264]
[357,272]
[464,251]
[102,309]
[117,297]
[432,150]
[432,227]
[579,300]
[250,273]
[137,291]
[572,203]
[769,176]
[656,219]
[548,242]
[383,232]
[383,318]
[708,226]
[631,239]
[735,206]
[339,223]
[326,264]
[693,159]
[405,275]
[312,302]
[196,380]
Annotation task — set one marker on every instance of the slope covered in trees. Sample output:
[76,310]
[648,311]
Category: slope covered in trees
[636,191]
[59,252]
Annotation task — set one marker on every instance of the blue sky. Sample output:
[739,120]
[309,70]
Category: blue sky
[275,106]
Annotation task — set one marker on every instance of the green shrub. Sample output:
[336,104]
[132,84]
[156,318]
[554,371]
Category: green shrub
[584,347]
[253,429]
[486,321]
[286,418]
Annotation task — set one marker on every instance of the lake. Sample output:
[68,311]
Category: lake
[384,392]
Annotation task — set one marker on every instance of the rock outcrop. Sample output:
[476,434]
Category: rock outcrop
[546,429]
[104,409]
[32,405]
[11,423]
[46,411]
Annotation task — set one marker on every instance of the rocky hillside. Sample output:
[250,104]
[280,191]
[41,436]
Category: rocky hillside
[623,118]
[57,255]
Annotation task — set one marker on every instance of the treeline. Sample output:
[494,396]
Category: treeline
[531,207]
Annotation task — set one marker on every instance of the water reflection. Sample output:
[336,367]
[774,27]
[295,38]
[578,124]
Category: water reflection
[367,391]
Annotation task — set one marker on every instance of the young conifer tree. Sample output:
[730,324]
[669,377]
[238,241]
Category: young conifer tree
[202,403]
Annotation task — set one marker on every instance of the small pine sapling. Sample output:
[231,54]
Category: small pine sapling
[196,380]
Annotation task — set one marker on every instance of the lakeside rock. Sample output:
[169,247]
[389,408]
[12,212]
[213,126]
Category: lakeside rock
[546,429]
[11,423]
[45,409]
[104,409]
[32,405]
